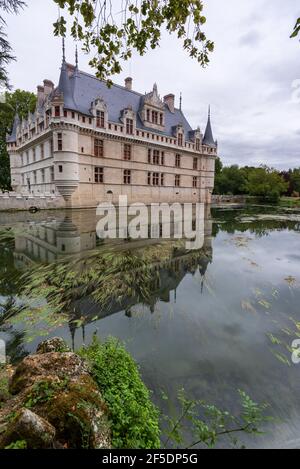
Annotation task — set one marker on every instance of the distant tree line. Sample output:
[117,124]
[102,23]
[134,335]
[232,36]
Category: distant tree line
[265,182]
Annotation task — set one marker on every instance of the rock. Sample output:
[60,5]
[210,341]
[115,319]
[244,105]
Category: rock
[28,426]
[46,366]
[56,344]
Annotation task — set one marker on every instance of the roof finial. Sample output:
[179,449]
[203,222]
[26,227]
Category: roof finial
[180,105]
[209,111]
[76,56]
[64,49]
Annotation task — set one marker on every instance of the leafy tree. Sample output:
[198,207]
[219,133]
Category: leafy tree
[231,180]
[219,165]
[6,6]
[294,180]
[267,183]
[114,30]
[21,102]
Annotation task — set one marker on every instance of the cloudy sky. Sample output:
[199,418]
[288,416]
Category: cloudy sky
[249,82]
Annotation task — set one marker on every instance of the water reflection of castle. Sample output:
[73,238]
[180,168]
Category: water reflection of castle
[71,235]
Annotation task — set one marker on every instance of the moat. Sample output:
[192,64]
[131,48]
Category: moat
[213,321]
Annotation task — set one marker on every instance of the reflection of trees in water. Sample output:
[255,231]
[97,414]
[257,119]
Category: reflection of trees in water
[232,221]
[8,273]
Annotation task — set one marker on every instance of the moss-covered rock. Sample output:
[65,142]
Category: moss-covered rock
[58,391]
[30,428]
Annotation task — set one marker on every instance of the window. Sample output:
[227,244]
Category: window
[177,160]
[34,177]
[149,155]
[73,115]
[162,158]
[148,115]
[129,126]
[83,119]
[100,119]
[33,154]
[155,157]
[59,142]
[180,140]
[65,113]
[52,173]
[195,163]
[90,120]
[162,179]
[161,119]
[195,181]
[57,111]
[197,144]
[42,151]
[98,148]
[127,152]
[99,175]
[127,176]
[177,180]
[51,147]
[155,117]
[155,179]
[149,179]
[43,175]
[60,168]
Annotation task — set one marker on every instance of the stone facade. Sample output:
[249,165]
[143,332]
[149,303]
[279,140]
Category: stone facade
[90,144]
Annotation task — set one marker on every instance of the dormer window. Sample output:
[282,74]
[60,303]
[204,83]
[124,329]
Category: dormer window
[100,119]
[197,144]
[148,115]
[161,119]
[57,111]
[180,140]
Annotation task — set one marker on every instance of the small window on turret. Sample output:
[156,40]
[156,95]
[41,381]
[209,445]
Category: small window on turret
[59,142]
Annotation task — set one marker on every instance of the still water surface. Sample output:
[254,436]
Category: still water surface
[216,321]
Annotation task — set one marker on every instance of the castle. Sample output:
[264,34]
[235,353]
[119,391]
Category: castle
[91,143]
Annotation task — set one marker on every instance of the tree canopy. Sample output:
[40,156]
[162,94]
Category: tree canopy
[264,182]
[114,30]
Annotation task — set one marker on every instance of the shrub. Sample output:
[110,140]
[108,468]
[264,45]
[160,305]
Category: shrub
[134,418]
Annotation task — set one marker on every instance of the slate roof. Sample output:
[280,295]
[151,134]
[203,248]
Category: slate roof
[208,136]
[86,88]
[13,136]
[81,89]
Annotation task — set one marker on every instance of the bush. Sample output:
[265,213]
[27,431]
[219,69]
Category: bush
[134,418]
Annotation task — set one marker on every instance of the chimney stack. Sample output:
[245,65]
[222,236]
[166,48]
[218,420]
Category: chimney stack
[169,100]
[128,83]
[40,96]
[48,87]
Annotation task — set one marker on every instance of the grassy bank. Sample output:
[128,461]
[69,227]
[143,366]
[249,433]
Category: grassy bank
[291,202]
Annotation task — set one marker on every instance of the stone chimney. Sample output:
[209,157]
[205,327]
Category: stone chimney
[40,96]
[128,83]
[169,100]
[48,87]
